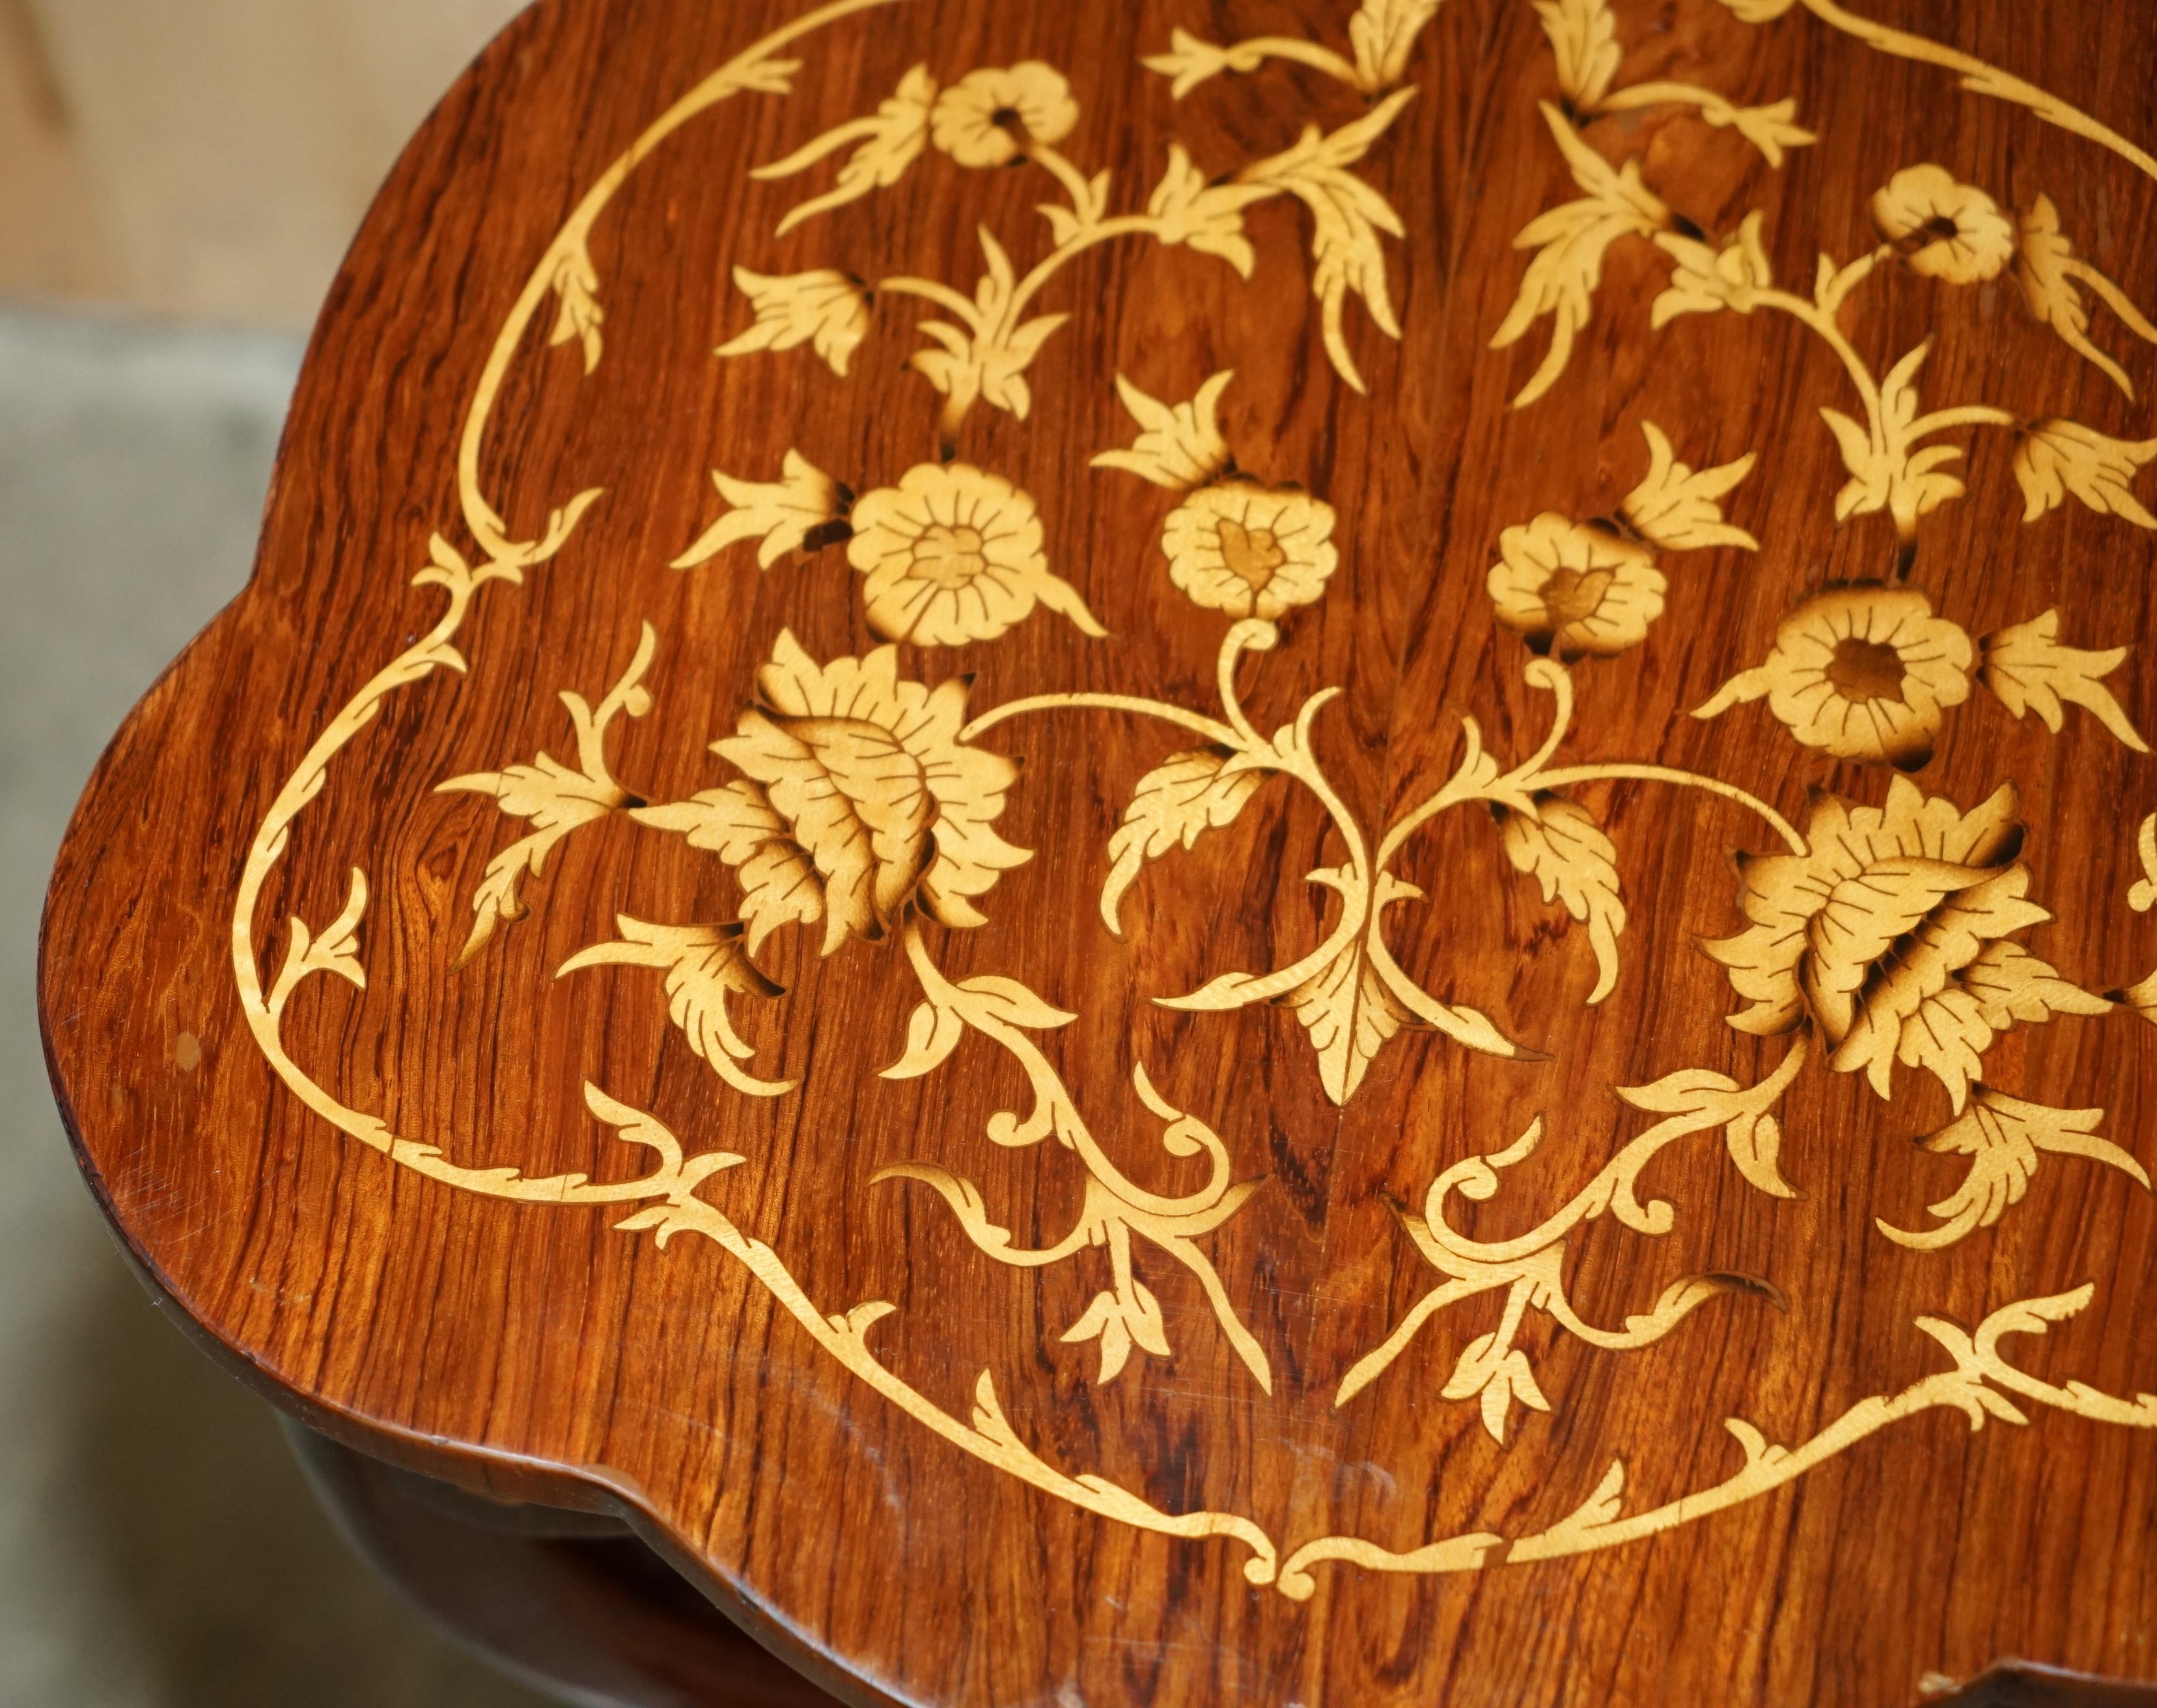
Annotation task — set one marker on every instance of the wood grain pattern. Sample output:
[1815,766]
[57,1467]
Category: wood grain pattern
[1231,1372]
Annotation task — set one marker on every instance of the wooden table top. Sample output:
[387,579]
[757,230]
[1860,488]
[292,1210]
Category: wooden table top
[1192,853]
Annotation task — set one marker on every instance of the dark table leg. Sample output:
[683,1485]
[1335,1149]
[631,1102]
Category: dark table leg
[571,1602]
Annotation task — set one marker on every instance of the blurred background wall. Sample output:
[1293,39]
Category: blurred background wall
[178,179]
[208,159]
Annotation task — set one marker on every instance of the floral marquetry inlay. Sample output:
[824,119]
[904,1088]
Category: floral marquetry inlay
[866,803]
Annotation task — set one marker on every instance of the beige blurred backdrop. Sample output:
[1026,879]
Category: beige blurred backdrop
[208,159]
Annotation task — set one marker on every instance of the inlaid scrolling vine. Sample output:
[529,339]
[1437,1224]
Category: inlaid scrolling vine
[1016,115]
[1932,225]
[865,804]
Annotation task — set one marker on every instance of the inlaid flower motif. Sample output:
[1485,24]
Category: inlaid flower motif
[1862,672]
[1575,589]
[954,553]
[1250,550]
[1891,934]
[827,310]
[992,117]
[1945,229]
[860,798]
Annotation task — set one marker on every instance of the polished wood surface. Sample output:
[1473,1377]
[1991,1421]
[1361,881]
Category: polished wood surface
[1431,484]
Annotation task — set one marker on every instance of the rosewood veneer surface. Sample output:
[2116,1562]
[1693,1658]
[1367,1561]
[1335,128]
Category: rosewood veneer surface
[1191,853]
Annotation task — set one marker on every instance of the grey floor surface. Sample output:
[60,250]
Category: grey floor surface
[157,1546]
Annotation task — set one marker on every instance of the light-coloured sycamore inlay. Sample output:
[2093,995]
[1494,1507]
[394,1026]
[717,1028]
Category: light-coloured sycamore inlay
[2142,997]
[1927,223]
[1382,35]
[1864,671]
[1530,1268]
[553,798]
[1005,115]
[864,804]
[1601,1520]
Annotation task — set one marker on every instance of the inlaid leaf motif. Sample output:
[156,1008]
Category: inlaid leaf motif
[1752,1135]
[1382,34]
[932,1031]
[1885,473]
[1564,850]
[1002,366]
[2142,897]
[2011,984]
[336,951]
[1175,803]
[1890,934]
[1346,216]
[987,358]
[861,799]
[2028,670]
[682,1210]
[2002,1136]
[2056,458]
[1781,893]
[1675,507]
[576,284]
[738,823]
[1202,215]
[1501,1376]
[827,311]
[1584,37]
[1008,1002]
[1118,1325]
[854,798]
[1755,1145]
[965,1198]
[1945,913]
[778,887]
[2050,273]
[1707,279]
[1190,61]
[885,145]
[1772,128]
[1570,241]
[935,1028]
[554,798]
[781,513]
[1832,285]
[1089,209]
[1601,1509]
[1351,1014]
[704,965]
[1925,1017]
[1179,446]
